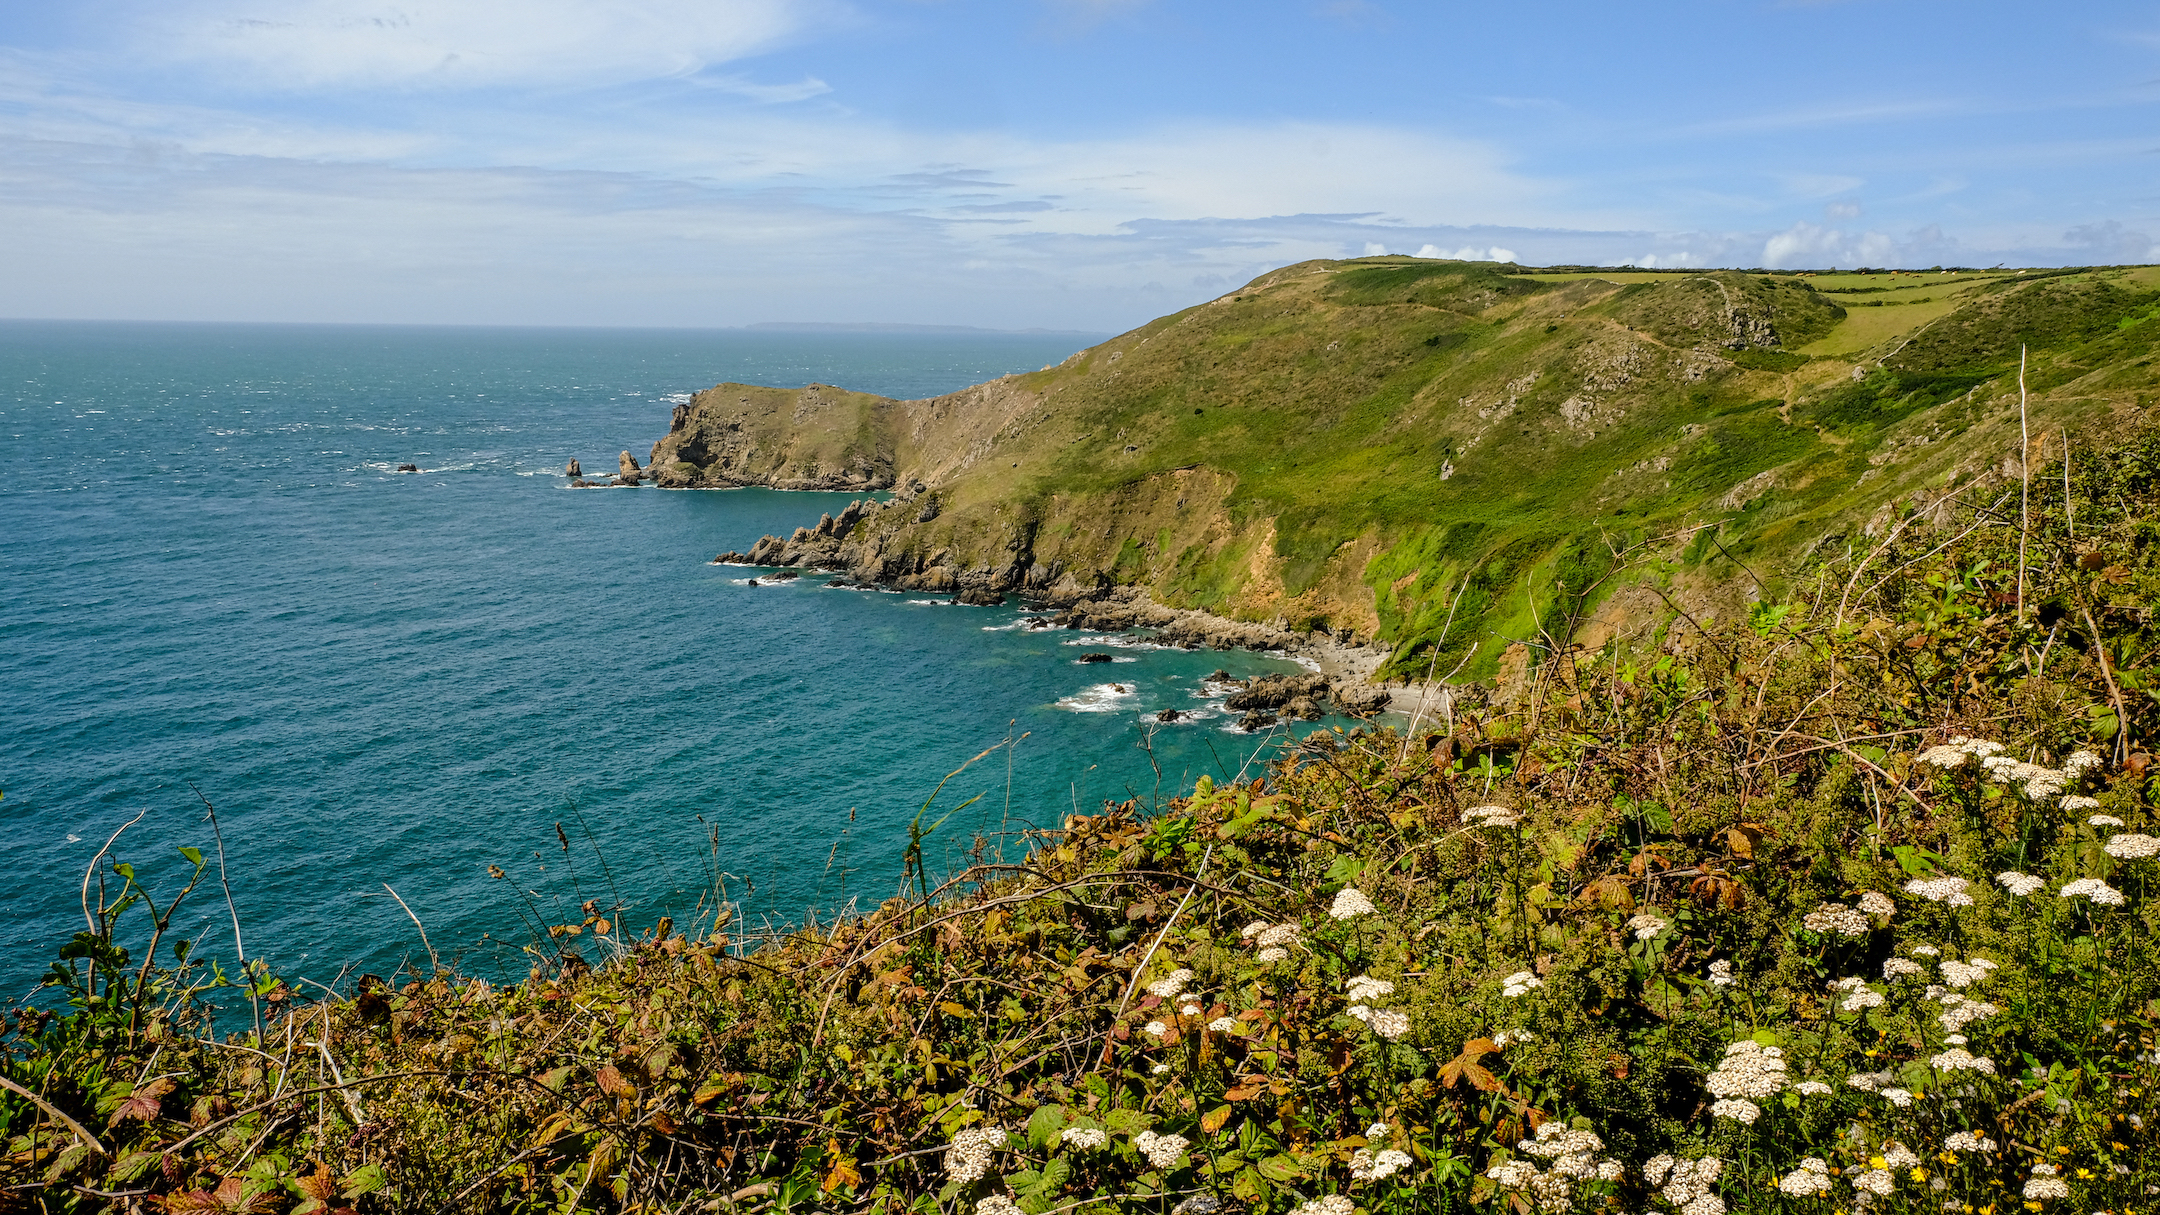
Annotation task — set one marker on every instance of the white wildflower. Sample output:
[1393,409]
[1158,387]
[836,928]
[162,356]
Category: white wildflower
[1509,1037]
[1836,919]
[967,1157]
[1273,953]
[1965,974]
[1954,1039]
[2078,801]
[1967,1141]
[1958,1059]
[1869,1082]
[1359,1012]
[1898,1156]
[2045,1184]
[1611,1170]
[1155,1029]
[1189,1010]
[1863,998]
[1898,1097]
[2019,884]
[1876,903]
[2096,890]
[1390,1023]
[1511,1174]
[1705,1204]
[1647,926]
[1926,951]
[1721,973]
[1254,929]
[2081,762]
[1222,1025]
[1279,935]
[1521,983]
[1086,1137]
[997,1204]
[1158,1069]
[1333,1204]
[2097,820]
[1810,1178]
[1745,1112]
[1364,989]
[1491,816]
[1350,903]
[1894,969]
[1162,1151]
[1170,984]
[1378,1130]
[1936,890]
[1366,1165]
[1750,1070]
[1876,1181]
[1811,1088]
[1964,1013]
[2039,783]
[2132,847]
[1685,1182]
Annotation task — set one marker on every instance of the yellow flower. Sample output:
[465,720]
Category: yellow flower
[1919,1174]
[2032,1206]
[2062,1151]
[2120,1147]
[2085,1174]
[1877,1162]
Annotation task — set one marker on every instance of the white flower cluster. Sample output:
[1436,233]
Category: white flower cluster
[2045,1184]
[1808,1179]
[1749,1069]
[1365,1165]
[1721,973]
[1897,1156]
[1958,750]
[1811,1088]
[1170,984]
[1274,940]
[1960,1012]
[1162,1151]
[1894,969]
[1521,983]
[2097,820]
[1390,1023]
[967,1157]
[1863,998]
[1958,1059]
[1085,1137]
[1509,1037]
[1966,973]
[1876,903]
[2019,884]
[1333,1204]
[1573,1157]
[997,1204]
[1745,1112]
[1836,919]
[2081,762]
[1491,816]
[2096,890]
[2040,783]
[1926,951]
[1870,1082]
[1949,890]
[1155,1029]
[1647,926]
[1222,1025]
[1364,989]
[2132,847]
[1878,1182]
[1686,1183]
[1967,1141]
[1350,902]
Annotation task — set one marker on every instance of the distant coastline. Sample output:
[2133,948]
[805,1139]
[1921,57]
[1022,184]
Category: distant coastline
[926,330]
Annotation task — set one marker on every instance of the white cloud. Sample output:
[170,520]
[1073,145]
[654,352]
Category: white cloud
[2111,243]
[461,43]
[1468,254]
[1842,210]
[1376,249]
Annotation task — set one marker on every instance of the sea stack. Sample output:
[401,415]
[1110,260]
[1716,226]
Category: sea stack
[572,470]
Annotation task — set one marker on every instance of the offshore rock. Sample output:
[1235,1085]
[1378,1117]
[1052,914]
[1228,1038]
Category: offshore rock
[572,470]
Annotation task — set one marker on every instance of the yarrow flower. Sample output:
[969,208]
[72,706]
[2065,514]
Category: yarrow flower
[1521,983]
[1350,902]
[1647,926]
[2078,801]
[2045,1184]
[1809,1178]
[1189,1010]
[1390,1024]
[1958,1059]
[1876,903]
[1876,1181]
[1364,989]
[1894,969]
[2019,884]
[1280,934]
[1333,1204]
[1836,919]
[2081,762]
[1967,973]
[1863,998]
[1926,951]
[1967,1141]
[1870,1082]
[1749,1070]
[1155,1029]
[967,1157]
[1509,1037]
[1958,750]
[2132,847]
[1686,1183]
[1162,1151]
[1273,953]
[1897,1096]
[1745,1112]
[1366,1165]
[1254,929]
[1491,816]
[2096,890]
[2039,783]
[1086,1137]
[1965,1012]
[1222,1025]
[1811,1088]
[1170,984]
[997,1204]
[1949,890]
[1721,973]
[1896,1155]
[2097,820]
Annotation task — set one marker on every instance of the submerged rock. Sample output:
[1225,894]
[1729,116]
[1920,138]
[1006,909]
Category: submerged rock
[408,468]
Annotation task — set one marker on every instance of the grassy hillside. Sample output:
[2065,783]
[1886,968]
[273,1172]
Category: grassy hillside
[1844,906]
[1387,445]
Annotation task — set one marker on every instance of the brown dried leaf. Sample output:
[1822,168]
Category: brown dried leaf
[612,1082]
[144,1103]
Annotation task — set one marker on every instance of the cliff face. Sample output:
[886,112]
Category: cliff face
[1441,456]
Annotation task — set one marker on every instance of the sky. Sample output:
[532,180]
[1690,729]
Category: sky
[1061,164]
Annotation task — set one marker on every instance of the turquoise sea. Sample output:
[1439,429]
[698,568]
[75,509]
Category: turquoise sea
[213,575]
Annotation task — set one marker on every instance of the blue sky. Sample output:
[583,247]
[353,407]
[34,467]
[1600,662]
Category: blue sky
[1080,164]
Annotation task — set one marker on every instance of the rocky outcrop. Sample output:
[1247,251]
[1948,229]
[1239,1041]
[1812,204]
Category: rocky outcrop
[818,437]
[572,470]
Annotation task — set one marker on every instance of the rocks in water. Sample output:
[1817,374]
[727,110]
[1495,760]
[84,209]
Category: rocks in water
[627,471]
[1304,708]
[581,483]
[979,596]
[1257,720]
[1221,676]
[1170,715]
[783,576]
[572,470]
[1277,691]
[408,468]
[731,557]
[1360,700]
[1095,657]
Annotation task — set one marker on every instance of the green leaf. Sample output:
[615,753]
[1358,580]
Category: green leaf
[1280,1168]
[193,855]
[124,870]
[1044,1124]
[367,1179]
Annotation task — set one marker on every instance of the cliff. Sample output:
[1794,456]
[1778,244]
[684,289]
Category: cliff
[1448,458]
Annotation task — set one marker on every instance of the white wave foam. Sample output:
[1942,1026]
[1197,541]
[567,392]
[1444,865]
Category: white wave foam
[1101,698]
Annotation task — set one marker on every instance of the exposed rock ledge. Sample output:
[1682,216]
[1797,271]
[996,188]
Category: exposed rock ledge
[862,543]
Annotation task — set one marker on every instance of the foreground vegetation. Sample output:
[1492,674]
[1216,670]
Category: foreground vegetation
[1842,906]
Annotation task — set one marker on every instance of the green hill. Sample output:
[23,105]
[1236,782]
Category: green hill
[1446,455]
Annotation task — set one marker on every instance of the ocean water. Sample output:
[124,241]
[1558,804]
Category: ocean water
[392,681]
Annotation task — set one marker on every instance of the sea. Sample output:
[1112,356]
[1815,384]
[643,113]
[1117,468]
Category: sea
[438,712]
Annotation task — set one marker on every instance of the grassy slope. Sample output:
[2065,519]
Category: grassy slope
[1383,435]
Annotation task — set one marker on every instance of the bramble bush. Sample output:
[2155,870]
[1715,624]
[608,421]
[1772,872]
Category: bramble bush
[1845,906]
